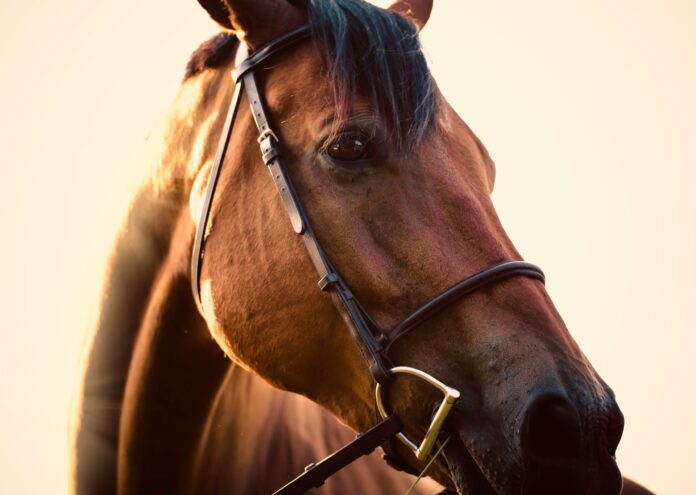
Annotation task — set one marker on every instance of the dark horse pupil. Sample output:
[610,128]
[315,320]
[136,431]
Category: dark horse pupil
[347,148]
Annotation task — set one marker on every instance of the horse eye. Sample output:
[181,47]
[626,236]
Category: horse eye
[348,147]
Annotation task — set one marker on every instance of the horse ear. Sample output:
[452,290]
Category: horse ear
[416,11]
[256,22]
[218,11]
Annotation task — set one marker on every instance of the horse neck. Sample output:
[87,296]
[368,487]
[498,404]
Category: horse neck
[137,257]
[257,438]
[175,372]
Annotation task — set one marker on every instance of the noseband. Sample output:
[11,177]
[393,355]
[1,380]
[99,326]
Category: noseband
[373,341]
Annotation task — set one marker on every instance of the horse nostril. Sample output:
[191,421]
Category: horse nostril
[551,429]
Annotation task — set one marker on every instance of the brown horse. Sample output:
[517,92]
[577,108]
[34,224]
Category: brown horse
[397,188]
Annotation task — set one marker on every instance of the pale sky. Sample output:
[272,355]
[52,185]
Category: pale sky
[588,108]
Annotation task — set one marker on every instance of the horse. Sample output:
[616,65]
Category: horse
[236,389]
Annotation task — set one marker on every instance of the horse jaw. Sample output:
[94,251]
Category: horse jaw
[463,470]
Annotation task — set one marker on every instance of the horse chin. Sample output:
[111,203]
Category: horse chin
[467,477]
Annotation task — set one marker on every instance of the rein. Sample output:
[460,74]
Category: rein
[373,341]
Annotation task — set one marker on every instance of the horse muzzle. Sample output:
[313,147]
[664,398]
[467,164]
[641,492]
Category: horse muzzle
[554,446]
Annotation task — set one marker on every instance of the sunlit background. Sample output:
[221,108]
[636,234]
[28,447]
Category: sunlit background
[588,108]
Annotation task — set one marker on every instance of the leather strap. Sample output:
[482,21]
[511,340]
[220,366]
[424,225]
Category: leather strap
[267,51]
[199,239]
[270,153]
[315,475]
[329,280]
[472,283]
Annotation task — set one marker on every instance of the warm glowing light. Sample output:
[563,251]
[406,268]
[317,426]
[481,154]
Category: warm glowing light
[588,108]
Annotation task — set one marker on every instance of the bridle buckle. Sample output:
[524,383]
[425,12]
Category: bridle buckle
[265,134]
[450,397]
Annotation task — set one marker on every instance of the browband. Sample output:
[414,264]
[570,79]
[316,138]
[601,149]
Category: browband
[269,50]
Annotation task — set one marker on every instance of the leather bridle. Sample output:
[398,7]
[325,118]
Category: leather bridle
[373,341]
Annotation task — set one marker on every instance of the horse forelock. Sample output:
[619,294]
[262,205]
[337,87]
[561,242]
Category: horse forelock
[375,53]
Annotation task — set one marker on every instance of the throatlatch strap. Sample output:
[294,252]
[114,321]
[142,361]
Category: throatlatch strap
[199,240]
[315,475]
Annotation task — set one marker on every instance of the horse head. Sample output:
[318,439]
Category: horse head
[397,189]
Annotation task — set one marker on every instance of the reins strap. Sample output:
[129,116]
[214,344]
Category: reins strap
[199,240]
[315,475]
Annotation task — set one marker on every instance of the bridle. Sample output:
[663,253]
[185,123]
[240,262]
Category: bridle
[373,341]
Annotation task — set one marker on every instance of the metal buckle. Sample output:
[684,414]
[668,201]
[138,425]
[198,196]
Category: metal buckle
[450,397]
[266,134]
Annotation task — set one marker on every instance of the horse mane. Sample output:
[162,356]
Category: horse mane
[357,41]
